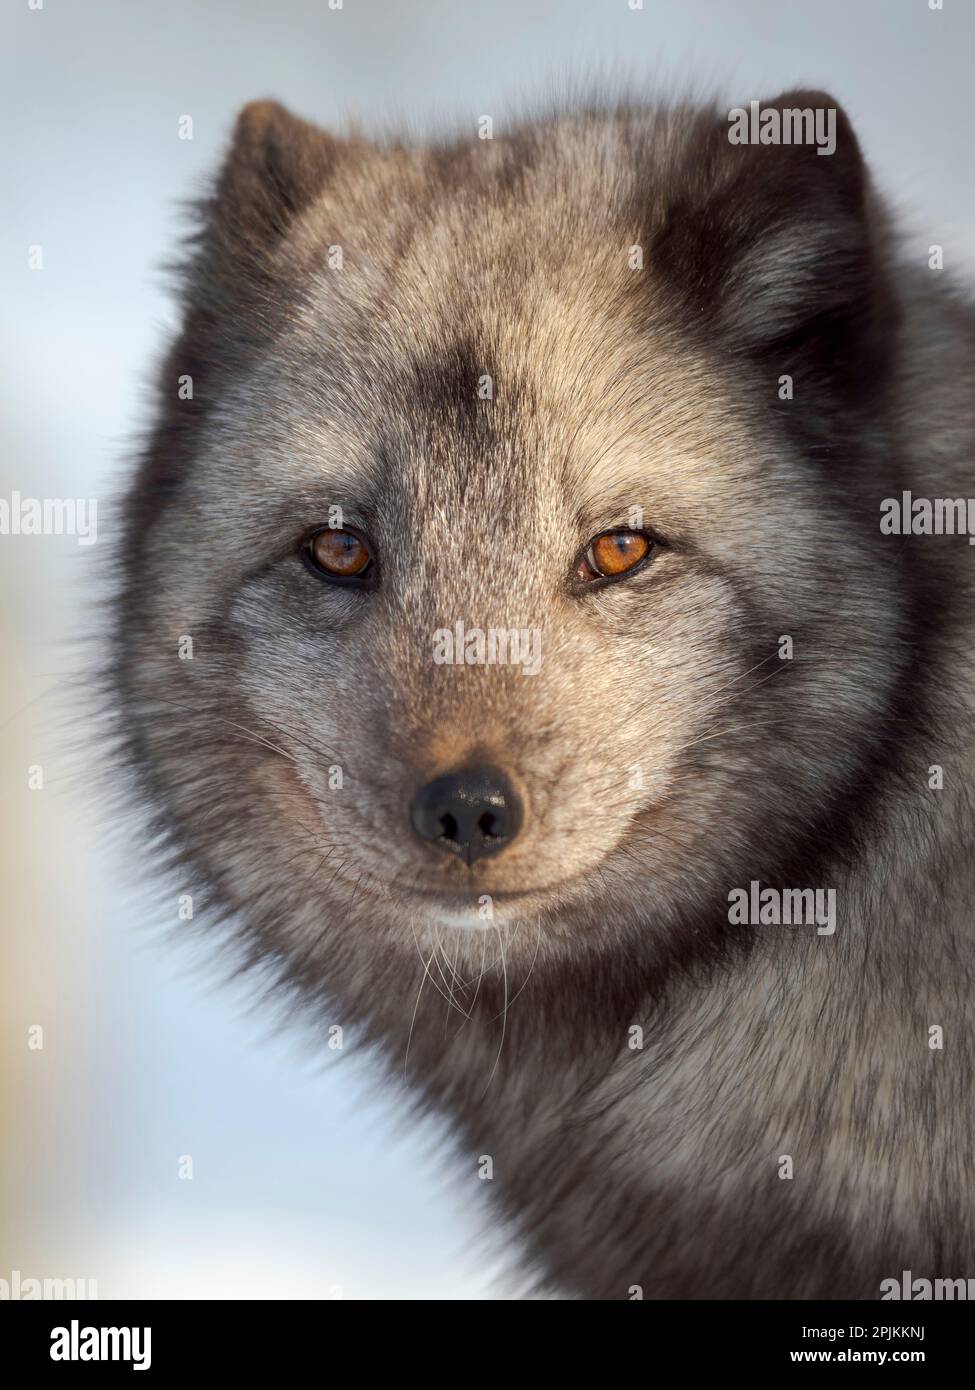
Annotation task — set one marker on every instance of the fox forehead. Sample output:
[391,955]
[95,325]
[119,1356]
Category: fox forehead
[460,436]
[542,375]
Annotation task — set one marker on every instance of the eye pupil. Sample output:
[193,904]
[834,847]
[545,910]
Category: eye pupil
[340,553]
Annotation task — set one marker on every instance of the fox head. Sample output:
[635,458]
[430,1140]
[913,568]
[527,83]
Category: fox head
[505,554]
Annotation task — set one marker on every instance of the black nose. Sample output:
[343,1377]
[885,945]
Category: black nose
[468,813]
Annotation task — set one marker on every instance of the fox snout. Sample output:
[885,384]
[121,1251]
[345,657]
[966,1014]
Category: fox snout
[472,813]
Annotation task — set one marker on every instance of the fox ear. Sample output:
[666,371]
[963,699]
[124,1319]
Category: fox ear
[232,283]
[276,165]
[767,242]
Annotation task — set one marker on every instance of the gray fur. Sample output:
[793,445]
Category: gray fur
[613,388]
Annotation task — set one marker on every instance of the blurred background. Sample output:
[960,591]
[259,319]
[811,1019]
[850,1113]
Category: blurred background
[306,1180]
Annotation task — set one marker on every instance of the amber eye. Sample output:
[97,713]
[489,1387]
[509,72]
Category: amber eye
[339,554]
[612,555]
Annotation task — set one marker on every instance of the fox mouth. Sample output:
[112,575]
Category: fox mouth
[473,907]
[451,897]
[471,913]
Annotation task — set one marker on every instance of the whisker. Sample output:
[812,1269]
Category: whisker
[504,1012]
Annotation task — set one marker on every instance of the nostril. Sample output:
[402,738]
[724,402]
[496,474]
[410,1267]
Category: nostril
[471,813]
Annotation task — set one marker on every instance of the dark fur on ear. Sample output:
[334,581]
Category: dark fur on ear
[778,251]
[276,165]
[233,287]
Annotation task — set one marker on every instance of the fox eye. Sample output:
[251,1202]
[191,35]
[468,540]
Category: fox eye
[339,555]
[612,555]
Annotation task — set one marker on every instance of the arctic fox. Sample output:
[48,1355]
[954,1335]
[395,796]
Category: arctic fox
[619,379]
